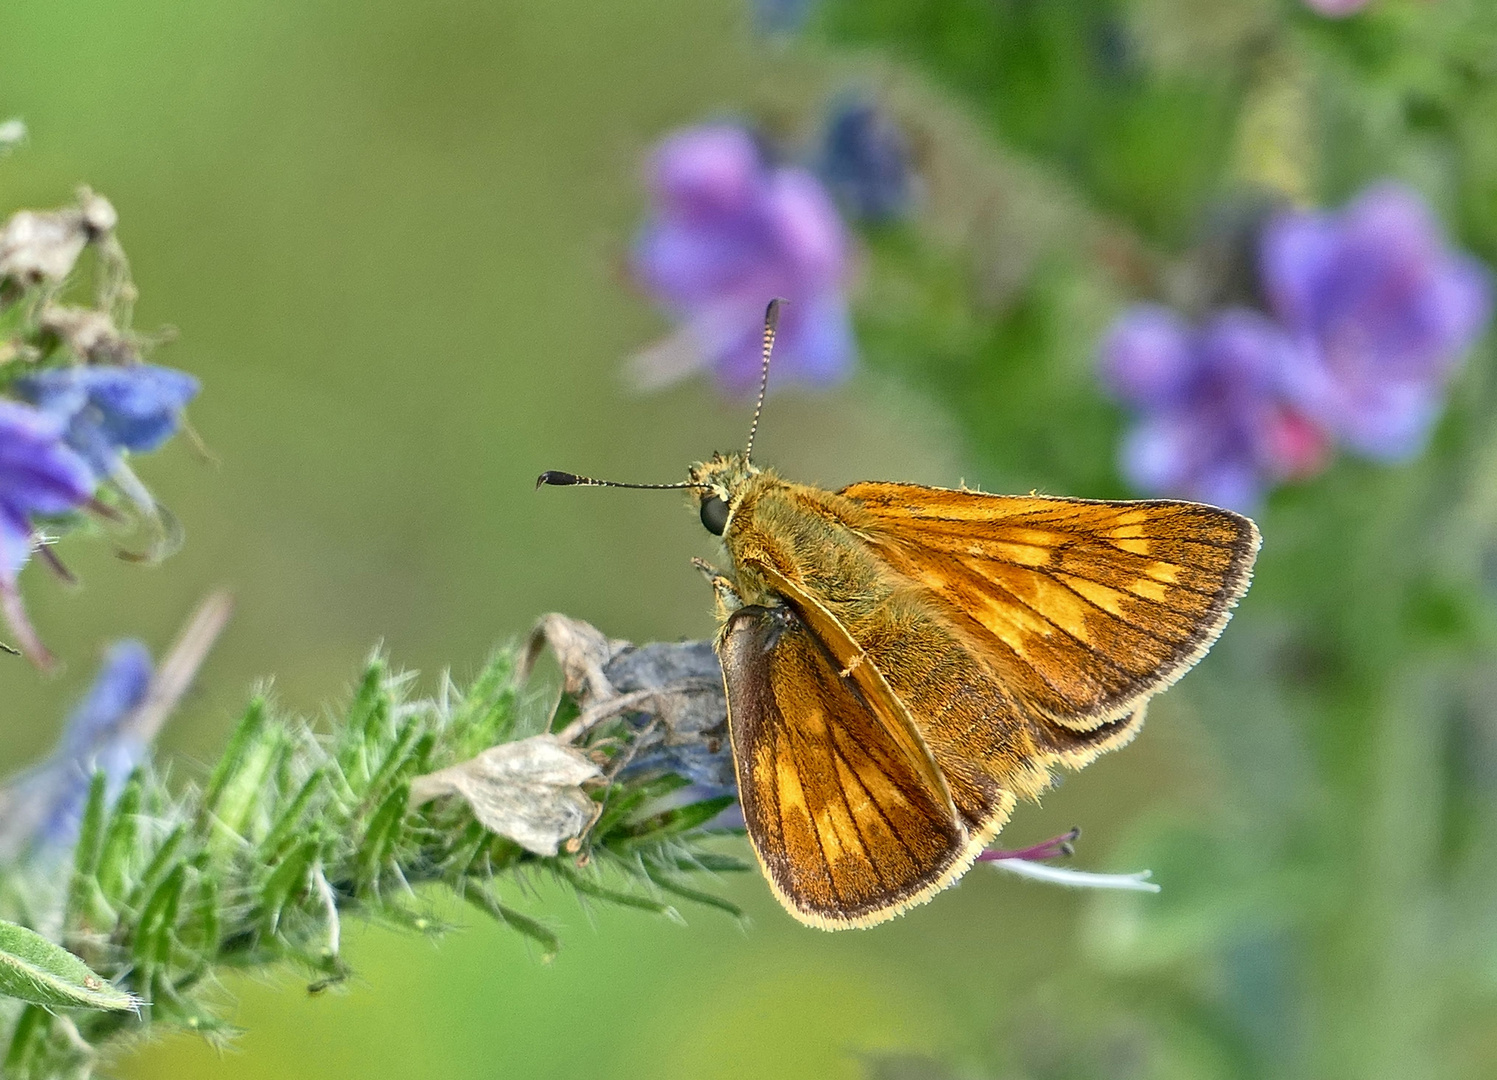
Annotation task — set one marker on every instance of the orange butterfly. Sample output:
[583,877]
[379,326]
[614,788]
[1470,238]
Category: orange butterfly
[902,663]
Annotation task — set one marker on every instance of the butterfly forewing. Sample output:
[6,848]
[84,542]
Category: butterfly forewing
[1082,608]
[847,825]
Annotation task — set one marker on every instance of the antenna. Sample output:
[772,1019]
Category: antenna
[771,323]
[553,478]
[556,478]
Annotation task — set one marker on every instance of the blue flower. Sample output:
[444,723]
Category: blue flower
[728,233]
[42,809]
[865,160]
[110,410]
[39,477]
[1214,423]
[1383,312]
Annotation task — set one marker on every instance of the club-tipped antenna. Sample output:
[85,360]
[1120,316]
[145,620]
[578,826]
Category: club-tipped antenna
[771,324]
[556,478]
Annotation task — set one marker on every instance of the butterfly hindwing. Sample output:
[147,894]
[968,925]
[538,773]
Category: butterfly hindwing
[855,662]
[979,747]
[845,822]
[1082,608]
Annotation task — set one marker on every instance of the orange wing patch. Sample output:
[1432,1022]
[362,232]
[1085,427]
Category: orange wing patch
[1083,608]
[899,725]
[849,830]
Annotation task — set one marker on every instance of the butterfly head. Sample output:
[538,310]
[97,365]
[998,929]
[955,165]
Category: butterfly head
[718,485]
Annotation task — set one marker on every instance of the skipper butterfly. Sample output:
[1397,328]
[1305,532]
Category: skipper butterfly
[903,663]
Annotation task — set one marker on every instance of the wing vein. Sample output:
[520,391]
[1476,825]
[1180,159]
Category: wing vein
[779,817]
[1078,543]
[877,807]
[856,824]
[1171,642]
[811,820]
[1137,571]
[1046,517]
[1086,648]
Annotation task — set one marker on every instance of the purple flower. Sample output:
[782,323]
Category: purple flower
[1383,312]
[39,477]
[729,232]
[865,160]
[42,809]
[781,16]
[1213,421]
[1336,9]
[112,409]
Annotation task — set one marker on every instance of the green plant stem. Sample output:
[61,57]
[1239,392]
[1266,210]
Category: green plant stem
[294,832]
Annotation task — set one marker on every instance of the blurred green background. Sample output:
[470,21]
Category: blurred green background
[391,237]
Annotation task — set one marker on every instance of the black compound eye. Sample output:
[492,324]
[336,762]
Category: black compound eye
[714,515]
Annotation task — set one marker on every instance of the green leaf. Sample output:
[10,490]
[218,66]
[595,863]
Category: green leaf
[234,790]
[671,822]
[85,904]
[155,934]
[368,717]
[412,748]
[34,969]
[369,701]
[696,896]
[379,840]
[166,859]
[31,1028]
[290,818]
[589,887]
[286,882]
[487,714]
[249,731]
[617,806]
[121,841]
[158,920]
[206,917]
[91,831]
[714,863]
[485,901]
[620,803]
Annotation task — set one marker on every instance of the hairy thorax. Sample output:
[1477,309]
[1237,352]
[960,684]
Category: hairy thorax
[815,538]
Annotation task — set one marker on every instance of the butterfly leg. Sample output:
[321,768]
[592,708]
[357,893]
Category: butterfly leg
[724,591]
